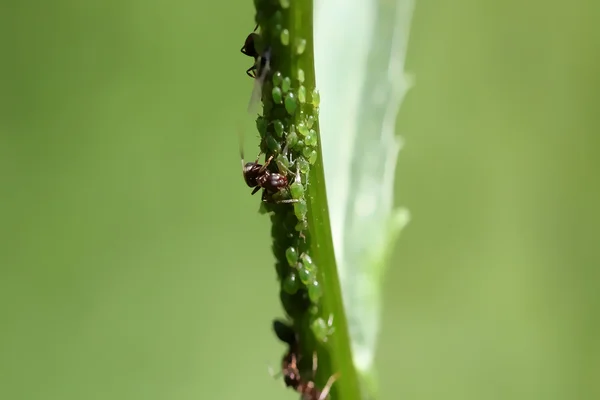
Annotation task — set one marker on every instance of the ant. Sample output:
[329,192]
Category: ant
[258,70]
[290,370]
[307,389]
[257,176]
[250,50]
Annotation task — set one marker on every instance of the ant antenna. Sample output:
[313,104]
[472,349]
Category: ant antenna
[266,163]
[241,147]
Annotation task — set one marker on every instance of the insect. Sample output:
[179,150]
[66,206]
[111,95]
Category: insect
[290,370]
[257,176]
[262,65]
[259,69]
[307,389]
[250,50]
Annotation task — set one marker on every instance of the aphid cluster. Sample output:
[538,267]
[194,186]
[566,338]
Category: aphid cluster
[288,140]
[290,368]
[288,135]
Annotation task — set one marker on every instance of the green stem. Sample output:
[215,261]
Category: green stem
[337,357]
[310,290]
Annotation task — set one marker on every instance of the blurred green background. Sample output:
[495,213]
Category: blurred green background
[134,264]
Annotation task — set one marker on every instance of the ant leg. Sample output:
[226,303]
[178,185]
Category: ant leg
[251,72]
[265,197]
[328,385]
[256,189]
[283,168]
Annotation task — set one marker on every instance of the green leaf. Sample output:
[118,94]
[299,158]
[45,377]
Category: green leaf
[360,52]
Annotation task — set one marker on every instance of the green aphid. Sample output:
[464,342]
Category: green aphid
[307,260]
[310,155]
[284,36]
[303,165]
[277,78]
[277,31]
[273,145]
[302,94]
[292,138]
[322,329]
[291,283]
[299,145]
[263,208]
[300,46]
[300,74]
[306,276]
[315,291]
[282,161]
[291,103]
[316,98]
[291,255]
[311,138]
[286,84]
[300,209]
[277,18]
[261,126]
[310,121]
[302,128]
[301,226]
[278,128]
[277,95]
[297,190]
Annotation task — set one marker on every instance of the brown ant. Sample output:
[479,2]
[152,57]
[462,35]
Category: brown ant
[257,176]
[307,389]
[250,50]
[290,370]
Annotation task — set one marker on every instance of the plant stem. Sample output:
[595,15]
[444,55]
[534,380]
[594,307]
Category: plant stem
[310,288]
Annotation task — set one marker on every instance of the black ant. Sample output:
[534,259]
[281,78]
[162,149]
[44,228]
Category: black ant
[259,69]
[250,50]
[290,370]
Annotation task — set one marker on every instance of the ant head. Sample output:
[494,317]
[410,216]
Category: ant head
[252,171]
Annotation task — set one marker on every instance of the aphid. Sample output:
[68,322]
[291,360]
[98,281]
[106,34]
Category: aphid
[249,49]
[322,329]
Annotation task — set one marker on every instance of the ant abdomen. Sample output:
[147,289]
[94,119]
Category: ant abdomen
[273,182]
